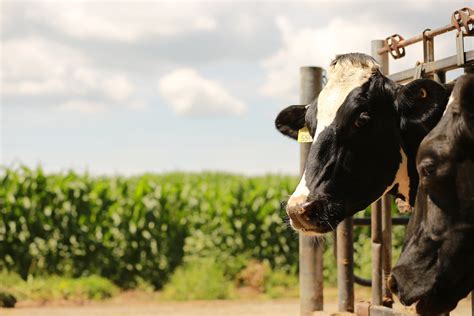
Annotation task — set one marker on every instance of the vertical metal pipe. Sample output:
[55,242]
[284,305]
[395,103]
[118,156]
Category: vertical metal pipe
[381,242]
[381,59]
[470,70]
[345,265]
[387,299]
[376,235]
[428,54]
[311,253]
[472,303]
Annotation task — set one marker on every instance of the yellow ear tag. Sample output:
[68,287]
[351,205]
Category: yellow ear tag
[304,136]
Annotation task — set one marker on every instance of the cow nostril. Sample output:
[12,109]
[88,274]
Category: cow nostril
[392,284]
[426,167]
[306,207]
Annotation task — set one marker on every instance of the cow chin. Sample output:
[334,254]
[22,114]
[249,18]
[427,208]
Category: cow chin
[435,304]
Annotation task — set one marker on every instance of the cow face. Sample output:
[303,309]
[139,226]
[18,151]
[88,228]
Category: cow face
[435,267]
[358,152]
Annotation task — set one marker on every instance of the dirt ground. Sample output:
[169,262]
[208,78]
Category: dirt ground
[280,307]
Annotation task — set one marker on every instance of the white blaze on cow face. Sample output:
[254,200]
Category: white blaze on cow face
[343,77]
[450,102]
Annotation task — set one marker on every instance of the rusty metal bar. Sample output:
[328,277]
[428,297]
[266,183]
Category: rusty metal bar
[376,236]
[345,265]
[418,38]
[428,51]
[376,213]
[382,230]
[442,65]
[311,253]
[384,311]
[471,70]
[395,221]
[387,299]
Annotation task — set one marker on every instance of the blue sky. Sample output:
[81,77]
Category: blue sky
[130,87]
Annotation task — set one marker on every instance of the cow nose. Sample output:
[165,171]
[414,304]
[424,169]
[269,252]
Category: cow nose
[392,284]
[426,167]
[294,212]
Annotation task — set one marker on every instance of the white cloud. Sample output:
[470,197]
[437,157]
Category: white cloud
[40,67]
[312,46]
[122,21]
[87,107]
[118,87]
[190,94]
[318,46]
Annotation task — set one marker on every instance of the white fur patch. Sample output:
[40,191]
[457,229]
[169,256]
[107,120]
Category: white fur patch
[300,194]
[402,178]
[451,101]
[341,81]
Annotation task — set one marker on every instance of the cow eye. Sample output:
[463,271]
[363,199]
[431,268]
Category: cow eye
[363,119]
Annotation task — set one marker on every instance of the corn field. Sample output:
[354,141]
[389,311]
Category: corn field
[139,227]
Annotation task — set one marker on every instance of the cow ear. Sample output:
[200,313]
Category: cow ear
[290,120]
[422,101]
[466,93]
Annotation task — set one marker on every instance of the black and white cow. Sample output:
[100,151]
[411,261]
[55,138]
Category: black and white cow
[435,267]
[366,130]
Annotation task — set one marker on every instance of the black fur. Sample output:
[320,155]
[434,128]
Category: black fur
[435,266]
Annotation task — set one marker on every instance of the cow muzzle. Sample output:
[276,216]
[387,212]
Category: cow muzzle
[311,217]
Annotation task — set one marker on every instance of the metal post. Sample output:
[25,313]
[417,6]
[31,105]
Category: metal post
[376,235]
[345,265]
[310,252]
[387,299]
[470,70]
[381,238]
[428,56]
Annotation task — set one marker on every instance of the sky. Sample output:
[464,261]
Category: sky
[126,87]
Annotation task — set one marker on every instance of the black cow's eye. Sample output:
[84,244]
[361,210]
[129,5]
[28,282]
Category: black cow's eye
[363,119]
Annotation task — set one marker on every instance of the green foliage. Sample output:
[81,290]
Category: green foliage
[54,287]
[142,228]
[281,284]
[127,229]
[201,279]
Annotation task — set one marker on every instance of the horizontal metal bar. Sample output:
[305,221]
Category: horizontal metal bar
[428,34]
[365,221]
[385,311]
[445,64]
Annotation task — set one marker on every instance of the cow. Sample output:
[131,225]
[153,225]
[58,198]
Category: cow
[366,130]
[435,267]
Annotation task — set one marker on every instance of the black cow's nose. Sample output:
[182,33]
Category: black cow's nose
[392,284]
[426,167]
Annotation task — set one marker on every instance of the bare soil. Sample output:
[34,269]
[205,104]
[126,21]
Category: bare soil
[133,305]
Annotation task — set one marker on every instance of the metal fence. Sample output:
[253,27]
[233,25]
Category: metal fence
[381,221]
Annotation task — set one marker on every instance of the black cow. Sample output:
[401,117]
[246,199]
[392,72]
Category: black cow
[435,268]
[366,130]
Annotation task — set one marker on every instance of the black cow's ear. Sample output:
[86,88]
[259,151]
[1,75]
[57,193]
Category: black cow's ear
[290,120]
[422,100]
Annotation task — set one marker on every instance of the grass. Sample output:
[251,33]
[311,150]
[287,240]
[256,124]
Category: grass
[205,279]
[201,279]
[50,288]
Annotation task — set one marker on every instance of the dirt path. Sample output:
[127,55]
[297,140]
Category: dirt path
[282,307]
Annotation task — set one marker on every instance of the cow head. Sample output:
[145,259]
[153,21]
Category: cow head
[435,267]
[360,147]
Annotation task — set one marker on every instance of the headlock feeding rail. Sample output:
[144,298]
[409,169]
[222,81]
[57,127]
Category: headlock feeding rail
[311,254]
